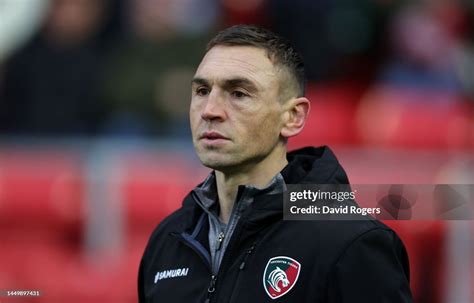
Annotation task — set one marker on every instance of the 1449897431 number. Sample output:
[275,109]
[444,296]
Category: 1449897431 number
[22,293]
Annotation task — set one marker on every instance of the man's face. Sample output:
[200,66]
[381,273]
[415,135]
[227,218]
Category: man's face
[235,114]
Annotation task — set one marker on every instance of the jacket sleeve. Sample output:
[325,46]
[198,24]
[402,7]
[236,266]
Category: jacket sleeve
[373,268]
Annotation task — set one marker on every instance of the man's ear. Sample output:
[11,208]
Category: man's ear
[296,112]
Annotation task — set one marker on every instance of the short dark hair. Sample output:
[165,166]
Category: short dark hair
[279,49]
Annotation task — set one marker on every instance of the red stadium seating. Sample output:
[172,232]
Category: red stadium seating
[154,187]
[40,188]
[415,119]
[331,120]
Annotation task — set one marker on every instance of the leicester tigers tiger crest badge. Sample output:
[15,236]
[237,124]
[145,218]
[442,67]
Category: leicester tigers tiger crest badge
[280,275]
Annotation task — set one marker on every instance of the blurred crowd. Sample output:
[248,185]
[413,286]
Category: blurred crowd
[123,67]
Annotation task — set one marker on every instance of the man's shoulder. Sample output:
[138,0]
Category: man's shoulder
[342,230]
[346,233]
[334,237]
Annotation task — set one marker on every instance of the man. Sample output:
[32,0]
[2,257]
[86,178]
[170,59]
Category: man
[228,242]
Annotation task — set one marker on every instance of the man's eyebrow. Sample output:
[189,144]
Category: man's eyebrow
[200,81]
[228,83]
[240,82]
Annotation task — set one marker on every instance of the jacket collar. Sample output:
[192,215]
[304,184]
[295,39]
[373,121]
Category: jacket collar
[206,192]
[309,165]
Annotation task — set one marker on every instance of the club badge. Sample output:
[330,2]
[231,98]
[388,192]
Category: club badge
[280,275]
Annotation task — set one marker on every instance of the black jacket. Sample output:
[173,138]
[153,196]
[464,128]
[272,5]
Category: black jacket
[271,260]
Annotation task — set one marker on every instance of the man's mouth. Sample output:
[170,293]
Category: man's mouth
[213,136]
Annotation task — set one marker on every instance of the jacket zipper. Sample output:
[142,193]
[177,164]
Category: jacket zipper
[211,289]
[247,254]
[197,247]
[220,239]
[212,284]
[223,267]
[204,255]
[249,251]
[215,273]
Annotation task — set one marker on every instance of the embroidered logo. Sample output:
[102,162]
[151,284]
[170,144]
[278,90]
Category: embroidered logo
[171,273]
[280,275]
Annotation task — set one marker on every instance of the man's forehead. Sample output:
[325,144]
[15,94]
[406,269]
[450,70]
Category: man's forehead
[236,62]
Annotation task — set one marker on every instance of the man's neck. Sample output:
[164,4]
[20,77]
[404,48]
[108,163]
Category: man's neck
[258,175]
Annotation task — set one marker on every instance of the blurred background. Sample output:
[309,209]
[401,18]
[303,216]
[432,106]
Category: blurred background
[95,145]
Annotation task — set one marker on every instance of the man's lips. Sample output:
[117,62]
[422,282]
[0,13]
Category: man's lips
[213,136]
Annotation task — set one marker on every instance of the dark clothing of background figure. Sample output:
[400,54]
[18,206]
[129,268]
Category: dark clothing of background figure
[52,90]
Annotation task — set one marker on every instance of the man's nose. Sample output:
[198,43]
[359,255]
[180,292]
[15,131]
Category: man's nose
[214,107]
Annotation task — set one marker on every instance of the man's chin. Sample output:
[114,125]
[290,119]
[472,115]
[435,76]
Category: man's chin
[217,163]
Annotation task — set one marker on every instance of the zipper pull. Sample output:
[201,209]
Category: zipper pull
[212,285]
[220,239]
[211,288]
[249,251]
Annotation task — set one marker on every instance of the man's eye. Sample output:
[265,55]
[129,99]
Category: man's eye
[202,91]
[239,94]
